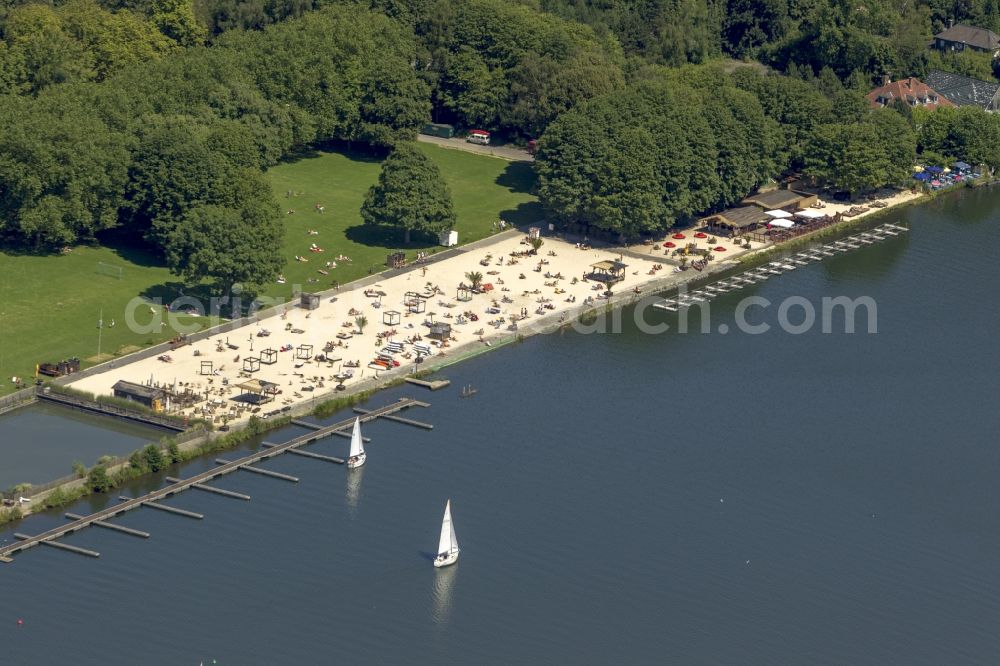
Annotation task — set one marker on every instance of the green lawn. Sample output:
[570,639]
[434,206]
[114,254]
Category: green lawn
[50,305]
[484,189]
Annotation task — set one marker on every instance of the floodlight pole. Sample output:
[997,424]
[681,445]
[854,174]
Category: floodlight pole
[100,330]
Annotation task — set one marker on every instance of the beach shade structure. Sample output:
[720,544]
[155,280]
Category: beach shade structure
[269,356]
[304,352]
[257,391]
[701,234]
[395,260]
[678,236]
[464,293]
[309,301]
[206,368]
[415,302]
[934,169]
[390,317]
[922,176]
[961,167]
[251,364]
[670,244]
[936,183]
[609,272]
[719,248]
[440,331]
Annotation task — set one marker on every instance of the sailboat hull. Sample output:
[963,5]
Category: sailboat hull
[356,461]
[445,559]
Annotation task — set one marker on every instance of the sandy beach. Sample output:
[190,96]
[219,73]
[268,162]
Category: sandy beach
[321,352]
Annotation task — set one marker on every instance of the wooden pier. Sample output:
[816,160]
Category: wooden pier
[151,499]
[398,419]
[779,267]
[432,384]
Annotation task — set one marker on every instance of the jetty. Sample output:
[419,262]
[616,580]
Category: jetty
[152,499]
[432,384]
[779,267]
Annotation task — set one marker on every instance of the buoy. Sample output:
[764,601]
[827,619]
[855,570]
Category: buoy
[20,623]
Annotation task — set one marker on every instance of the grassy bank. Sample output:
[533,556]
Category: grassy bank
[50,305]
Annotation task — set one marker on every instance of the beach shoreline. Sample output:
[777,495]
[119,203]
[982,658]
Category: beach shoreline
[640,283]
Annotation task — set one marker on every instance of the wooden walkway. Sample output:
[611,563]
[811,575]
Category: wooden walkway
[112,410]
[197,481]
[779,266]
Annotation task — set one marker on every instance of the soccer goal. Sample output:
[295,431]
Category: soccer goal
[110,270]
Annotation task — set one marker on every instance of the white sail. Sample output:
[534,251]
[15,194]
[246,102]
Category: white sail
[448,542]
[357,446]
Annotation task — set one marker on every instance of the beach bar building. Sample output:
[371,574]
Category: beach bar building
[152,397]
[609,271]
[735,221]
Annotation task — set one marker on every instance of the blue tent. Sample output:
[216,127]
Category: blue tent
[922,176]
[934,169]
[961,166]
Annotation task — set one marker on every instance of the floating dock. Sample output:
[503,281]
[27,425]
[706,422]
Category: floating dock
[432,384]
[778,267]
[151,499]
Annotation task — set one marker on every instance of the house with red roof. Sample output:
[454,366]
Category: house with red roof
[912,92]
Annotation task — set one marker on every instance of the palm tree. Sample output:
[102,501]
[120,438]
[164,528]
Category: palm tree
[361,322]
[475,278]
[535,243]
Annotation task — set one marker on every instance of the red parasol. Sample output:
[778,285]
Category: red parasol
[679,236]
[719,248]
[669,244]
[700,235]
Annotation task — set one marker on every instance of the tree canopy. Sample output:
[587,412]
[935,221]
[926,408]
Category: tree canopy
[410,195]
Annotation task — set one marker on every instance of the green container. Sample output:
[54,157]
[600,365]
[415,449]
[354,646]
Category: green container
[438,129]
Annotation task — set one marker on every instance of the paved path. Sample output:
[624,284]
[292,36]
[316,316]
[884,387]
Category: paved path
[512,153]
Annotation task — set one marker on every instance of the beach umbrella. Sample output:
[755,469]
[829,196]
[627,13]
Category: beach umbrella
[719,248]
[669,244]
[700,235]
[678,236]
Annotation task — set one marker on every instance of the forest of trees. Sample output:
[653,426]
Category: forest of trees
[154,120]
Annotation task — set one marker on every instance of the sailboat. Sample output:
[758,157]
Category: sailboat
[357,456]
[469,390]
[448,545]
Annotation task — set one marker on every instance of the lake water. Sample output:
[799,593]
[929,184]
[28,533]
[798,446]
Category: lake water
[699,498]
[39,443]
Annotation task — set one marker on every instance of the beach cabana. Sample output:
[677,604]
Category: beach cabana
[251,364]
[396,260]
[415,302]
[440,331]
[390,317]
[269,356]
[304,352]
[309,301]
[257,391]
[206,368]
[609,271]
[735,221]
